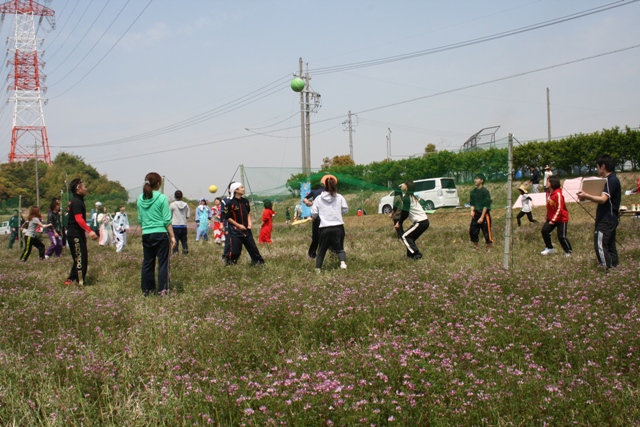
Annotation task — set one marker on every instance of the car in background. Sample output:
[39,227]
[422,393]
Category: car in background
[433,193]
[4,228]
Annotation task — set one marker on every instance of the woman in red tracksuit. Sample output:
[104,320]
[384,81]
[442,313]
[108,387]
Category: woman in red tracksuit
[557,217]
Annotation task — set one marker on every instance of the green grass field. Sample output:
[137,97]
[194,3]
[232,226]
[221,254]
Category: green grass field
[451,340]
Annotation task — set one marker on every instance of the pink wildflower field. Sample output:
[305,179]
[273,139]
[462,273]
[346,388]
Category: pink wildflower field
[451,340]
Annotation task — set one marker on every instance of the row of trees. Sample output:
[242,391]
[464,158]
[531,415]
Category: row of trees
[574,153]
[19,179]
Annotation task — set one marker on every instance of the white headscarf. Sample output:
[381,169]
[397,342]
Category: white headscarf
[233,188]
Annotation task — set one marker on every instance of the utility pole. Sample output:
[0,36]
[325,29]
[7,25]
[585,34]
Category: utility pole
[349,124]
[507,227]
[548,117]
[302,124]
[308,124]
[389,145]
[309,103]
[37,179]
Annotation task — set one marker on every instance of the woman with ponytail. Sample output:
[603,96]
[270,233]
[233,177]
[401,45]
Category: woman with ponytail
[154,217]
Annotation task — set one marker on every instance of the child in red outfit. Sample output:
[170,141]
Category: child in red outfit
[267,223]
[557,217]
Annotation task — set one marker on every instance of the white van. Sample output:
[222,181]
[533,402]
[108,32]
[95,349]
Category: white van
[433,193]
[4,228]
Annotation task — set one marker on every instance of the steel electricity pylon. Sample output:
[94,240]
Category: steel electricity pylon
[26,81]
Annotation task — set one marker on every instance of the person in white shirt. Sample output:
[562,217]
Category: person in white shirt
[330,206]
[120,227]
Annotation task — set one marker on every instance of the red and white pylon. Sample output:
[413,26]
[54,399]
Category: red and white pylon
[27,87]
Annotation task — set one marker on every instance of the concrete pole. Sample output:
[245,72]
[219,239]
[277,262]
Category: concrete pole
[507,227]
[350,137]
[302,124]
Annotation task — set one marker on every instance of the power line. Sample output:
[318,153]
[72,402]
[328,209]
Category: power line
[390,105]
[235,104]
[416,54]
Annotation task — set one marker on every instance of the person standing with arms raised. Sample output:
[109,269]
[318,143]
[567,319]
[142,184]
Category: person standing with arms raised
[77,230]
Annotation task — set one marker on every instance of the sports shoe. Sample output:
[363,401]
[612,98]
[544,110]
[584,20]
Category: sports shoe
[343,265]
[567,254]
[548,251]
[46,257]
[69,282]
[318,271]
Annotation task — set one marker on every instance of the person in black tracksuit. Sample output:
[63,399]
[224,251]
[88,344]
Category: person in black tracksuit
[76,230]
[237,214]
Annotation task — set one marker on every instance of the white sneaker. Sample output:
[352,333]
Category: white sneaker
[46,257]
[548,251]
[343,265]
[567,254]
[318,271]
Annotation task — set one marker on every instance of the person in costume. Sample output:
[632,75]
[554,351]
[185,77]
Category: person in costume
[106,228]
[120,227]
[203,215]
[237,214]
[218,228]
[154,217]
[53,218]
[267,223]
[31,238]
[287,215]
[76,229]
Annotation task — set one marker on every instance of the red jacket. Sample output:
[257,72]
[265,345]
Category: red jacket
[556,208]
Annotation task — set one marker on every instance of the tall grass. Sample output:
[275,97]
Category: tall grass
[453,339]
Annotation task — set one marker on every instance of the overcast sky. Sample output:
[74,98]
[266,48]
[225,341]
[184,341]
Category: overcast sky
[193,89]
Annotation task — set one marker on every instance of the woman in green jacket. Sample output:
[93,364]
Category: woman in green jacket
[154,218]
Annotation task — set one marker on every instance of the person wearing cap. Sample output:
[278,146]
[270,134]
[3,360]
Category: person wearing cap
[527,204]
[315,225]
[480,201]
[546,175]
[267,222]
[95,223]
[237,213]
[203,215]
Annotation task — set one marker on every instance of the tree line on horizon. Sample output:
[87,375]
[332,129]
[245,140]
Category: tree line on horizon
[19,179]
[572,155]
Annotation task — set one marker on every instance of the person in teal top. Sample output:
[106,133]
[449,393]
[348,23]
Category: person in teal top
[154,218]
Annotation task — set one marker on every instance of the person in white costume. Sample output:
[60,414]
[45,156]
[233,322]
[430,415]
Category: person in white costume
[120,227]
